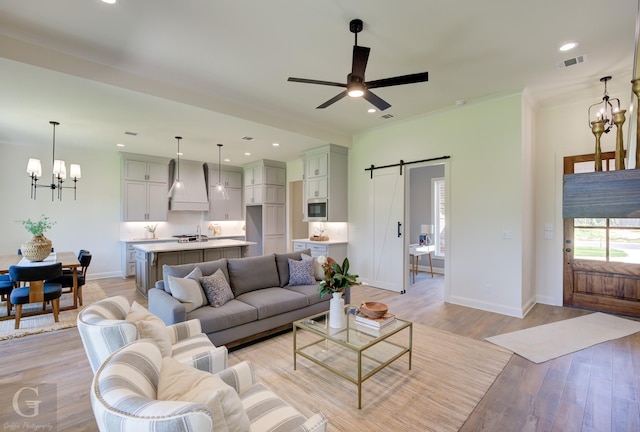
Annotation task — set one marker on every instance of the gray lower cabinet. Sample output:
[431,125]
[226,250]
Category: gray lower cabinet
[149,264]
[337,251]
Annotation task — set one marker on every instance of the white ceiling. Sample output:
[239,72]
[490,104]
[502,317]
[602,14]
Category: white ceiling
[214,71]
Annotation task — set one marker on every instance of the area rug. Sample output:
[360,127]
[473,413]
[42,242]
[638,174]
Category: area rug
[91,293]
[549,341]
[450,374]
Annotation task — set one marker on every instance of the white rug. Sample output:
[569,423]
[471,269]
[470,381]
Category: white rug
[91,293]
[546,342]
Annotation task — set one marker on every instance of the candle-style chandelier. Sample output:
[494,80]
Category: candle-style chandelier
[605,109]
[58,176]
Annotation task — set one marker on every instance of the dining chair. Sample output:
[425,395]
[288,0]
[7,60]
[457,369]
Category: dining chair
[66,279]
[6,286]
[36,290]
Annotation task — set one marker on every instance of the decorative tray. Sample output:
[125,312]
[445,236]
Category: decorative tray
[319,238]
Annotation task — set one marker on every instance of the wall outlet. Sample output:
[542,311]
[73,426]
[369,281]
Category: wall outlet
[548,227]
[548,235]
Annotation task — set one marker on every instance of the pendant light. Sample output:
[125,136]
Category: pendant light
[220,192]
[59,174]
[177,188]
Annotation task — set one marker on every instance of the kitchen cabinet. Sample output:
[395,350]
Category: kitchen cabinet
[128,254]
[230,179]
[264,182]
[144,188]
[325,177]
[335,250]
[231,209]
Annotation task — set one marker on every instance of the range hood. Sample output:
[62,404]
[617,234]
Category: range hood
[194,197]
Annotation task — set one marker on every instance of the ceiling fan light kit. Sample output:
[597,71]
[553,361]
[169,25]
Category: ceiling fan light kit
[356,86]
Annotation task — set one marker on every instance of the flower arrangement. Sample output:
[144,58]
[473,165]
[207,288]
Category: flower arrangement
[37,228]
[336,277]
[151,228]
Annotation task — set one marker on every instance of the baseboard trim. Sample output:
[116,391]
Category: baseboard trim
[486,306]
[104,275]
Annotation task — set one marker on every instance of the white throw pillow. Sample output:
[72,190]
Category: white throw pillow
[318,271]
[150,326]
[188,291]
[179,382]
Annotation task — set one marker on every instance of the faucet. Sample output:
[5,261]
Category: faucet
[198,237]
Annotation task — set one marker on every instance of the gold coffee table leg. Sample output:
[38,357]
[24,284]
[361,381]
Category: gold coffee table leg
[359,379]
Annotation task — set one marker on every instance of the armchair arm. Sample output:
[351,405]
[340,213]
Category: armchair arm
[240,376]
[184,330]
[166,307]
[316,423]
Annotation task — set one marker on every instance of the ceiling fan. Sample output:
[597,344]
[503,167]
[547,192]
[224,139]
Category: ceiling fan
[356,86]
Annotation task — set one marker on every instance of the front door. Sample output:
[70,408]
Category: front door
[601,268]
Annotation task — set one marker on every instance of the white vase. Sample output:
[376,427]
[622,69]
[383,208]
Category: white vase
[336,311]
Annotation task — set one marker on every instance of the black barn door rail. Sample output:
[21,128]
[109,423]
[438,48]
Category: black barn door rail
[402,163]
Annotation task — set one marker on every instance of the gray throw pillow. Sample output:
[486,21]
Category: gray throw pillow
[301,272]
[216,288]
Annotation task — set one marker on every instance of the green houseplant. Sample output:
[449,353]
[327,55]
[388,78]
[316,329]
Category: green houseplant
[336,277]
[38,247]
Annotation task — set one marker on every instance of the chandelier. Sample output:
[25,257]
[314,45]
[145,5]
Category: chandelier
[604,110]
[58,176]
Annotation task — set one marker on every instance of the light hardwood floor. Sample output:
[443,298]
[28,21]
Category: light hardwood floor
[597,389]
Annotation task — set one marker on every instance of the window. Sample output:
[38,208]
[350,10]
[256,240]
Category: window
[439,216]
[610,240]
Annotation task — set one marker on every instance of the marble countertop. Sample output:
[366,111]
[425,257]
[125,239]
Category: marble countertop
[172,247]
[168,239]
[328,242]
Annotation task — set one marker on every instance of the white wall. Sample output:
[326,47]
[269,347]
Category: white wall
[91,222]
[484,190]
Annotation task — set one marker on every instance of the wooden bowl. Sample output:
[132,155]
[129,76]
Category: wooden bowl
[374,309]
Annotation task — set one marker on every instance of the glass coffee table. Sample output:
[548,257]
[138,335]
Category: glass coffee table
[356,351]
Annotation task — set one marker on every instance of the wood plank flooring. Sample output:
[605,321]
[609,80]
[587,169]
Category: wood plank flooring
[597,389]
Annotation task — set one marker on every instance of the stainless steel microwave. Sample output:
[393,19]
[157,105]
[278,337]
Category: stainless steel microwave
[317,210]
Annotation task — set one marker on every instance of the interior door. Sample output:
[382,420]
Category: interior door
[600,268]
[387,210]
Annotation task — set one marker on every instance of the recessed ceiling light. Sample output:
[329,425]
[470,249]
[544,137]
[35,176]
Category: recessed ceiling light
[120,145]
[109,1]
[276,144]
[227,160]
[371,110]
[568,46]
[180,154]
[247,154]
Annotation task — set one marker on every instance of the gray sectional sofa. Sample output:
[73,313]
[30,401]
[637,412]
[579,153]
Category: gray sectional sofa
[264,301]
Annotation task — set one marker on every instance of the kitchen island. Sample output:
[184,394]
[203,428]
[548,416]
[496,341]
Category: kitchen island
[151,257]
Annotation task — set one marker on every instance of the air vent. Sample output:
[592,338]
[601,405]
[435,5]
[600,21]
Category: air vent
[386,116]
[247,138]
[572,61]
[131,133]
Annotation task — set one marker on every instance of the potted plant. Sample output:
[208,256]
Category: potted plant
[38,247]
[336,280]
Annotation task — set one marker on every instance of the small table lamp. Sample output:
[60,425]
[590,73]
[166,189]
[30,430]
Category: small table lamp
[425,230]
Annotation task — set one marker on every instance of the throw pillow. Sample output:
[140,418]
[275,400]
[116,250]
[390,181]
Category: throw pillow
[188,291]
[150,326]
[318,271]
[179,382]
[216,288]
[301,272]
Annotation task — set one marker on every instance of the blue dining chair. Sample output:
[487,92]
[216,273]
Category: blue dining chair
[35,289]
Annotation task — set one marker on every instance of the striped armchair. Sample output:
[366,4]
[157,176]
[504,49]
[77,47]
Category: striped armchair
[125,388]
[104,328]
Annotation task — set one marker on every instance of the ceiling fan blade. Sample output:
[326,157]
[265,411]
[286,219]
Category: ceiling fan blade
[399,80]
[310,81]
[378,102]
[360,58]
[332,100]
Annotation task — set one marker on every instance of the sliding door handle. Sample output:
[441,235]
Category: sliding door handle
[399,233]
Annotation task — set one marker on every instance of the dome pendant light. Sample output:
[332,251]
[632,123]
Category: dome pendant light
[220,192]
[177,188]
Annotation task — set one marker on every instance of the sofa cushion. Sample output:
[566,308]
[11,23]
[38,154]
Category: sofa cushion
[216,288]
[249,274]
[282,262]
[188,291]
[233,313]
[301,272]
[274,301]
[150,326]
[178,382]
[182,270]
[318,270]
[310,292]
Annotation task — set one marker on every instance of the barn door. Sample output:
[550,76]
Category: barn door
[387,210]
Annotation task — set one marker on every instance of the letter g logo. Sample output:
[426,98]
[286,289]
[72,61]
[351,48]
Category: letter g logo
[33,404]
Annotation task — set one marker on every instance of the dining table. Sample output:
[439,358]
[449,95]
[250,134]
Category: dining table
[69,260]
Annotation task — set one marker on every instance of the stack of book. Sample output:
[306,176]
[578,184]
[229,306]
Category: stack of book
[388,318]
